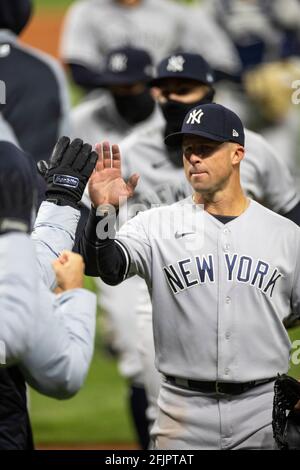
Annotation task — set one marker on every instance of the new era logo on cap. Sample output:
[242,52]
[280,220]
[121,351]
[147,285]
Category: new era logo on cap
[118,63]
[175,63]
[235,133]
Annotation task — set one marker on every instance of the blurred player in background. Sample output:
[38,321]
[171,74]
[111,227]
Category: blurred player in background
[37,102]
[94,27]
[265,35]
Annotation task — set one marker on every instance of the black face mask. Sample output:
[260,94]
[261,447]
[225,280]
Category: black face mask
[135,108]
[174,114]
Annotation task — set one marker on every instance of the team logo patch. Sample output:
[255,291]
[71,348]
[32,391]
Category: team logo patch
[65,180]
[118,63]
[175,63]
[5,50]
[195,116]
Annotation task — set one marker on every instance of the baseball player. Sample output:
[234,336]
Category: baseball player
[152,25]
[222,271]
[48,339]
[37,101]
[126,105]
[127,101]
[184,80]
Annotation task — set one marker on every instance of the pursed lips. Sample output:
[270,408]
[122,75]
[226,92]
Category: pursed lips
[197,171]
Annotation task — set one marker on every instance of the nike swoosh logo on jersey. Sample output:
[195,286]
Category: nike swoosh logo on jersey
[158,164]
[183,234]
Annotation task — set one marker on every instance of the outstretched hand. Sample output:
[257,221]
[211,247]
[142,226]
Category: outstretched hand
[106,184]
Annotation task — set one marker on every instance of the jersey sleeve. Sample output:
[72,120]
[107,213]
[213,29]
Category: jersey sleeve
[54,231]
[18,310]
[295,297]
[279,191]
[135,243]
[62,348]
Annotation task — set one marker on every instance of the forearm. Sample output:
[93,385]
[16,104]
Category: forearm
[54,231]
[103,257]
[59,360]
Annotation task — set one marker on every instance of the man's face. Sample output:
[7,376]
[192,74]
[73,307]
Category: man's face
[208,164]
[180,90]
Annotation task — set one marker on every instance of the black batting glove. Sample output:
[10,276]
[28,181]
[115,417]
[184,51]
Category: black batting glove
[68,171]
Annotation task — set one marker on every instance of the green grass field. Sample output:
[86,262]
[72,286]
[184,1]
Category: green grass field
[98,414]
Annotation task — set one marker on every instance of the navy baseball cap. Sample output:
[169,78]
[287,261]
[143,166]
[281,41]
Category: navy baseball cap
[184,65]
[213,121]
[15,14]
[125,66]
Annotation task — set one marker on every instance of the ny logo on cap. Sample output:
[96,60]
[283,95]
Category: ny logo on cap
[195,116]
[118,63]
[176,63]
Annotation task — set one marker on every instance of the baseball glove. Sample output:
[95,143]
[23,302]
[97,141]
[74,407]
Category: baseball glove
[286,420]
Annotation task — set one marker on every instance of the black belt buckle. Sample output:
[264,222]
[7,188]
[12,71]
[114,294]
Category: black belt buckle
[219,388]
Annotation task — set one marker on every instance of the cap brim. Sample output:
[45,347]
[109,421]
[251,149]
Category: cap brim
[175,140]
[112,79]
[184,76]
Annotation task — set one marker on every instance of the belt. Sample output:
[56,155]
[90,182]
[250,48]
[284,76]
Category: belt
[226,388]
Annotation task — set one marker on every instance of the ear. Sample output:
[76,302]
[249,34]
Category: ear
[238,154]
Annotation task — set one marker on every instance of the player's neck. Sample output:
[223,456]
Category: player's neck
[227,202]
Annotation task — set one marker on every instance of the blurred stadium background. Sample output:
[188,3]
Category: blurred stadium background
[97,417]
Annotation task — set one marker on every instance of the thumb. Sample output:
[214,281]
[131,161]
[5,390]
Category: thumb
[42,167]
[132,182]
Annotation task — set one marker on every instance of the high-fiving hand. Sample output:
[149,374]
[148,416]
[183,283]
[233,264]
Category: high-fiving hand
[106,184]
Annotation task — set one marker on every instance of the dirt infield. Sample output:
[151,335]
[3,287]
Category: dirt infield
[44,31]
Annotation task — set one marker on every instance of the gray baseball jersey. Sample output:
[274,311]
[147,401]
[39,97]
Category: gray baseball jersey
[219,292]
[61,336]
[264,177]
[93,27]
